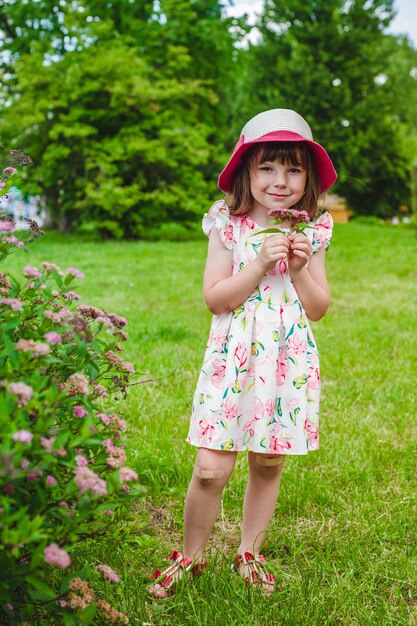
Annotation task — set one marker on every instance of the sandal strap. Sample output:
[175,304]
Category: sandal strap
[167,577]
[258,573]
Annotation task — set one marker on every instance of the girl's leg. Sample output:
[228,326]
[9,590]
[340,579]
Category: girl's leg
[211,472]
[260,499]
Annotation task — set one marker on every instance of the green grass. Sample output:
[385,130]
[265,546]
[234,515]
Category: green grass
[343,540]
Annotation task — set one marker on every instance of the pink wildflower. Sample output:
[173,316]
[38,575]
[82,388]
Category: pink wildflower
[126,474]
[53,338]
[106,512]
[89,480]
[64,504]
[49,267]
[74,272]
[108,573]
[51,480]
[47,443]
[23,435]
[79,411]
[116,457]
[55,556]
[14,303]
[25,345]
[78,384]
[10,171]
[23,391]
[81,460]
[63,603]
[128,367]
[104,418]
[99,390]
[6,226]
[31,272]
[13,241]
[24,463]
[71,295]
[32,476]
[41,349]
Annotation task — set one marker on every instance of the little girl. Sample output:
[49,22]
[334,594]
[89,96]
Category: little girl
[259,387]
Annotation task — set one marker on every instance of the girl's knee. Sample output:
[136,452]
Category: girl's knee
[267,465]
[213,468]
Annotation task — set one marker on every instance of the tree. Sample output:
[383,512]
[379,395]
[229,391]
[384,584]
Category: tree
[118,106]
[330,62]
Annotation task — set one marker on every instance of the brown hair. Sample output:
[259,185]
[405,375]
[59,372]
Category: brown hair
[240,200]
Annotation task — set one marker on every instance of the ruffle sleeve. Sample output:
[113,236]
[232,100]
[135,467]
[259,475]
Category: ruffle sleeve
[219,217]
[322,232]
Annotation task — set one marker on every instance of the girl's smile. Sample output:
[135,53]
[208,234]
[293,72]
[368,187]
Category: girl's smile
[276,185]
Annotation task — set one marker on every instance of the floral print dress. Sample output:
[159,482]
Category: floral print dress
[259,387]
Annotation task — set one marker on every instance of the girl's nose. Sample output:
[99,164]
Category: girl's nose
[280,179]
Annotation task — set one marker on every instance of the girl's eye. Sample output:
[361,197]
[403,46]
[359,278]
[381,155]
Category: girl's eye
[265,168]
[295,170]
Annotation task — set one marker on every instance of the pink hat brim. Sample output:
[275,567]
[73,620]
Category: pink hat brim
[326,171]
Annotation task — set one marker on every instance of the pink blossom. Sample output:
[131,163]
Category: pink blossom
[87,480]
[26,345]
[1,510]
[282,367]
[312,435]
[116,457]
[55,556]
[108,444]
[9,488]
[47,443]
[64,504]
[108,573]
[23,391]
[108,512]
[10,171]
[118,321]
[31,272]
[13,303]
[126,488]
[81,460]
[104,418]
[126,474]
[229,410]
[71,295]
[32,476]
[128,367]
[24,463]
[6,226]
[78,384]
[99,390]
[53,338]
[23,435]
[74,272]
[207,432]
[10,607]
[49,267]
[296,345]
[63,603]
[55,293]
[41,349]
[13,241]
[60,452]
[219,373]
[51,480]
[79,411]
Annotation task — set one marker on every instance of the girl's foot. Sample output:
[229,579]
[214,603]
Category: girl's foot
[252,568]
[166,581]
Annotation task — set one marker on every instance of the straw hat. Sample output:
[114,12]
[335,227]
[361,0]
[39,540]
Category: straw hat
[278,125]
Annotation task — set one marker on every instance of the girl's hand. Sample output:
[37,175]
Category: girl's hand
[300,252]
[274,248]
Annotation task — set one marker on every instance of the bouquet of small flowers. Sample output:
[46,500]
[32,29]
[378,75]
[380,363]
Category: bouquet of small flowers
[297,221]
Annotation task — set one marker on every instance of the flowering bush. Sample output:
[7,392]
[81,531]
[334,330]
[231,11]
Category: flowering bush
[63,473]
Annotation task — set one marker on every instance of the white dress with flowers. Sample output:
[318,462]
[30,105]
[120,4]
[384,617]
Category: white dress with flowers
[259,387]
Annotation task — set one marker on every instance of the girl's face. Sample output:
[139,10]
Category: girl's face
[276,185]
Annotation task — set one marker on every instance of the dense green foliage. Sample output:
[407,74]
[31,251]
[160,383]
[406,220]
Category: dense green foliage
[343,541]
[128,109]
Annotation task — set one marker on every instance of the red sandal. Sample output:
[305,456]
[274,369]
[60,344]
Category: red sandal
[165,582]
[255,573]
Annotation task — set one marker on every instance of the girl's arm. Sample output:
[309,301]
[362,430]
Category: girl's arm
[308,274]
[224,291]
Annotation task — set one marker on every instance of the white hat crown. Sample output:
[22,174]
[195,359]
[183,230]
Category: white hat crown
[275,120]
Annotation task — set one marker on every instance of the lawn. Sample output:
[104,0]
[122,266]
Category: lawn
[343,540]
